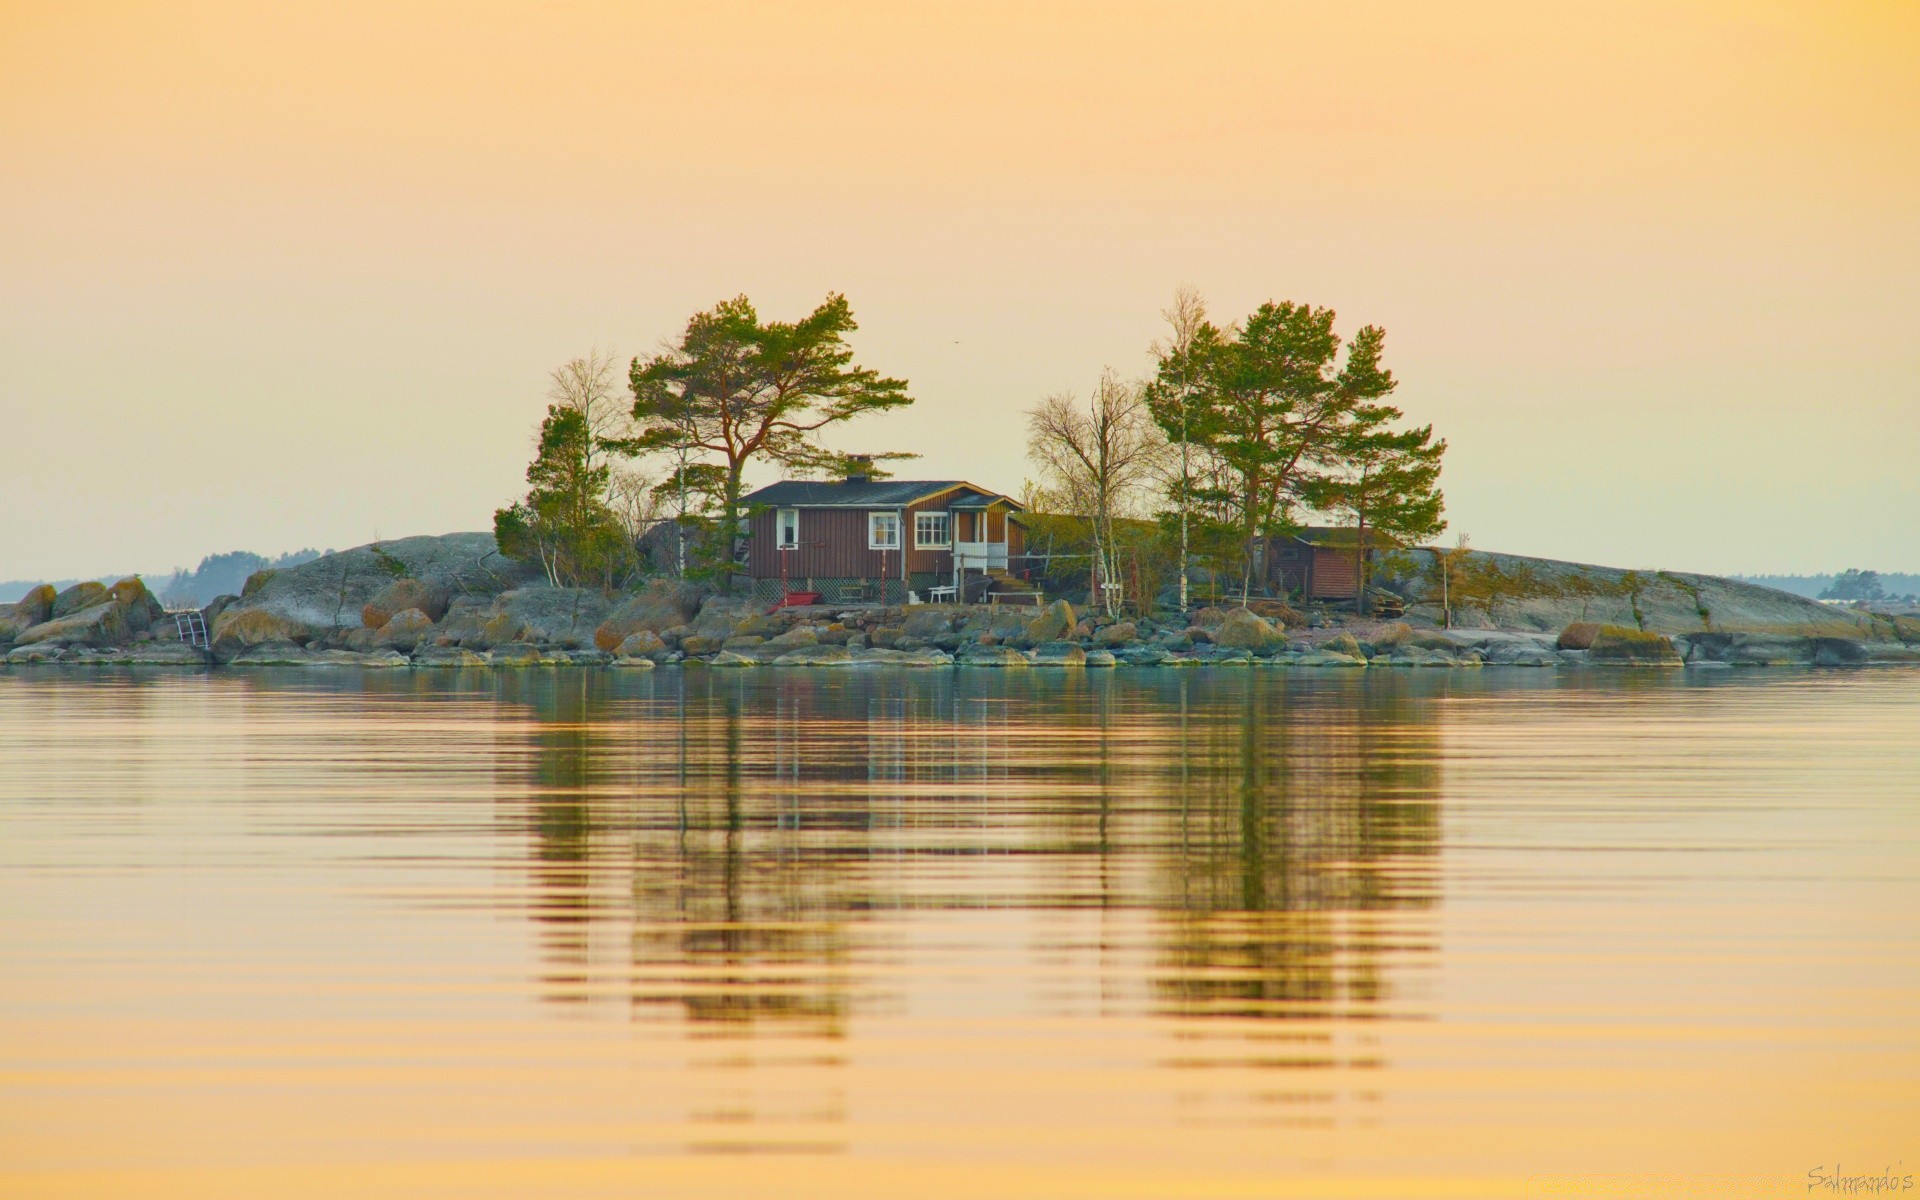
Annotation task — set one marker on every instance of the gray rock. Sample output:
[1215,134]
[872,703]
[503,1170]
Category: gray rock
[1838,652]
[992,656]
[1101,658]
[817,656]
[1322,658]
[331,592]
[727,658]
[1242,630]
[1059,654]
[661,605]
[273,654]
[565,617]
[448,657]
[77,598]
[792,639]
[1121,633]
[429,597]
[405,630]
[1142,656]
[925,623]
[523,654]
[643,643]
[372,659]
[37,652]
[168,654]
[1051,625]
[633,662]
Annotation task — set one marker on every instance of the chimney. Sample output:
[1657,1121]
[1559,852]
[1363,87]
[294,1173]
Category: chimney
[859,468]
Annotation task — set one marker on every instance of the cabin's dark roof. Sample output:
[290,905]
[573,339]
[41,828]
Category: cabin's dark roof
[885,493]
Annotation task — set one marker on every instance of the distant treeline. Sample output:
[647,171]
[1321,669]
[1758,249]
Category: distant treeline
[217,575]
[1820,587]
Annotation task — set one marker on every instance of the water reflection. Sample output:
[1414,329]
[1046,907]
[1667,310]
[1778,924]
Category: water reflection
[712,849]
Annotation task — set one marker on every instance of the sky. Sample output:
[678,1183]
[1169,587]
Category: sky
[290,274]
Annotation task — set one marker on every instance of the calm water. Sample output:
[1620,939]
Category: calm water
[1133,933]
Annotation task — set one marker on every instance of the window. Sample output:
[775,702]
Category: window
[931,530]
[883,531]
[787,523]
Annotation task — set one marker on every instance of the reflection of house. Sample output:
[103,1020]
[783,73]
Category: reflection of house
[876,540]
[1318,563]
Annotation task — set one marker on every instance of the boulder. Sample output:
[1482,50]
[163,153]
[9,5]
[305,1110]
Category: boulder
[565,617]
[1519,654]
[659,606]
[1838,652]
[742,641]
[141,608]
[89,656]
[37,652]
[447,657]
[427,596]
[1059,654]
[37,606]
[642,643]
[523,654]
[1053,623]
[698,644]
[817,656]
[374,659]
[1141,656]
[925,623]
[992,656]
[792,639]
[79,596]
[1122,633]
[1323,658]
[1393,633]
[104,624]
[1207,618]
[168,654]
[238,628]
[633,662]
[332,591]
[1619,645]
[273,654]
[1346,644]
[405,630]
[727,658]
[1750,649]
[1242,630]
[1578,636]
[884,657]
[1101,658]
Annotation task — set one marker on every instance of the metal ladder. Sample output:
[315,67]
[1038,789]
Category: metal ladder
[193,628]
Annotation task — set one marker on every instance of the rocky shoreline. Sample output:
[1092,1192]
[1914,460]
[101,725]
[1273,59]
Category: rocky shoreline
[454,602]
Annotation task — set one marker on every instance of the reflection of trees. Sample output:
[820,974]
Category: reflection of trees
[1307,818]
[706,846]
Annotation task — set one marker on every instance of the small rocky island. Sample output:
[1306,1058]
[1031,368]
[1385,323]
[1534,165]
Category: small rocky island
[455,601]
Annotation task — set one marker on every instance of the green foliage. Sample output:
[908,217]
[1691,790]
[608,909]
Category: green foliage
[735,390]
[1855,584]
[1284,422]
[564,522]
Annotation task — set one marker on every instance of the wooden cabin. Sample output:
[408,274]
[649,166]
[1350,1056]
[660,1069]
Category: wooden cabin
[878,540]
[1318,563]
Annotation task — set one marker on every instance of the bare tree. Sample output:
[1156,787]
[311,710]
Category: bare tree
[1097,461]
[593,387]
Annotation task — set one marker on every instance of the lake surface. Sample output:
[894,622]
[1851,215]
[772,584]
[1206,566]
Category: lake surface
[1135,933]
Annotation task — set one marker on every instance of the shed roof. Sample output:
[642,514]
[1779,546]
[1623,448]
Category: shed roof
[885,493]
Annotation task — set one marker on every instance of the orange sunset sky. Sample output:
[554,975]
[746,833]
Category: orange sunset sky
[287,274]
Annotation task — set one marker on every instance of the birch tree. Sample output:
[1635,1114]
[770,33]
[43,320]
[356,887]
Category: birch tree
[1097,459]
